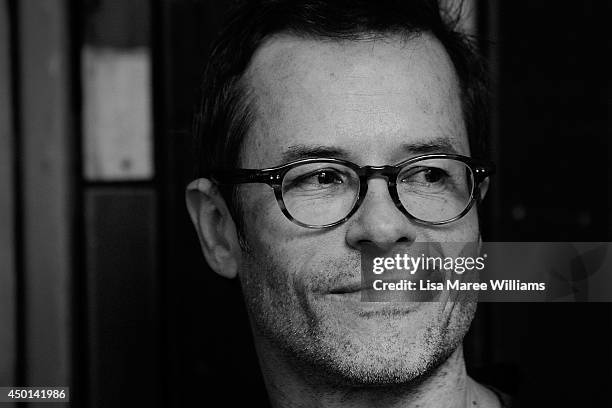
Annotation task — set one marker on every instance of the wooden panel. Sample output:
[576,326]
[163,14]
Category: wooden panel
[7,260]
[117,114]
[46,184]
[117,101]
[122,294]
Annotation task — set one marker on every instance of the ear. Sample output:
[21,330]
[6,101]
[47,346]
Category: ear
[483,188]
[215,227]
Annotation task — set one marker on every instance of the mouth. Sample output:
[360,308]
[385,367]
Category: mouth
[349,288]
[367,294]
[353,298]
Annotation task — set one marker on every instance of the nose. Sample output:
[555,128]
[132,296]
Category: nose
[378,221]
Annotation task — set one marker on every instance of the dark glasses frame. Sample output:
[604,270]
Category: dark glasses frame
[273,176]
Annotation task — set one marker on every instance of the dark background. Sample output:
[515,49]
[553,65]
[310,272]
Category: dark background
[147,312]
[551,143]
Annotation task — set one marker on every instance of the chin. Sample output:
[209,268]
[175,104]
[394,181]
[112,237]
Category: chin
[389,351]
[389,358]
[382,366]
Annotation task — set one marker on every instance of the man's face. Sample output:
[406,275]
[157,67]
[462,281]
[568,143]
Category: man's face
[373,102]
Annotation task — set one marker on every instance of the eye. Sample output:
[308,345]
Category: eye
[323,178]
[328,177]
[425,175]
[320,177]
[433,175]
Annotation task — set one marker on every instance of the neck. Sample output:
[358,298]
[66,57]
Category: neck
[446,386]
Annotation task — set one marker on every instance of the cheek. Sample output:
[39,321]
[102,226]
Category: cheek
[464,230]
[293,261]
[469,226]
[266,228]
[273,252]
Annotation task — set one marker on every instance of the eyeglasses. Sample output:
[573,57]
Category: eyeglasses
[431,189]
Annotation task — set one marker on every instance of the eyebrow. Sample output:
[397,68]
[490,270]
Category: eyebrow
[298,152]
[438,145]
[301,151]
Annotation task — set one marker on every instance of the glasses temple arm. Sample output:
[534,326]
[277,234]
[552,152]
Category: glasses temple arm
[239,176]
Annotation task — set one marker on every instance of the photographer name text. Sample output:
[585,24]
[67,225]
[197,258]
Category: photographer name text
[428,285]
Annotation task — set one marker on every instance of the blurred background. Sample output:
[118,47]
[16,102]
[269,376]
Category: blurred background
[102,284]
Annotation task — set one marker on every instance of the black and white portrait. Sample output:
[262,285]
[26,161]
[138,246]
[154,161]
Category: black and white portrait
[236,202]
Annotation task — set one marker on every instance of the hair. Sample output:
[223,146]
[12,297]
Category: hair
[225,114]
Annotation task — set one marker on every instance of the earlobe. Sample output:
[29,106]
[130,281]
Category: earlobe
[215,227]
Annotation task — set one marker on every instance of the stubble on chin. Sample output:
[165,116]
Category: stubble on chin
[321,340]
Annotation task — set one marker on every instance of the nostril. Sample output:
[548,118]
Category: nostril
[381,245]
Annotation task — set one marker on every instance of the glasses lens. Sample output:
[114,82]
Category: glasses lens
[435,190]
[320,193]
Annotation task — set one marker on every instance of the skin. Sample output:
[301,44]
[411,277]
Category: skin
[373,100]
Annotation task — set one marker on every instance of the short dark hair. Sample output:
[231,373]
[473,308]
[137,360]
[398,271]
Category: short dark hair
[224,116]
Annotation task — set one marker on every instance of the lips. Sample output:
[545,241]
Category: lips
[349,288]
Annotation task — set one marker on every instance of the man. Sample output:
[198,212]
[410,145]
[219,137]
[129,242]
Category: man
[362,117]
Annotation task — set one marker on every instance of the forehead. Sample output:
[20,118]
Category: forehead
[371,99]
